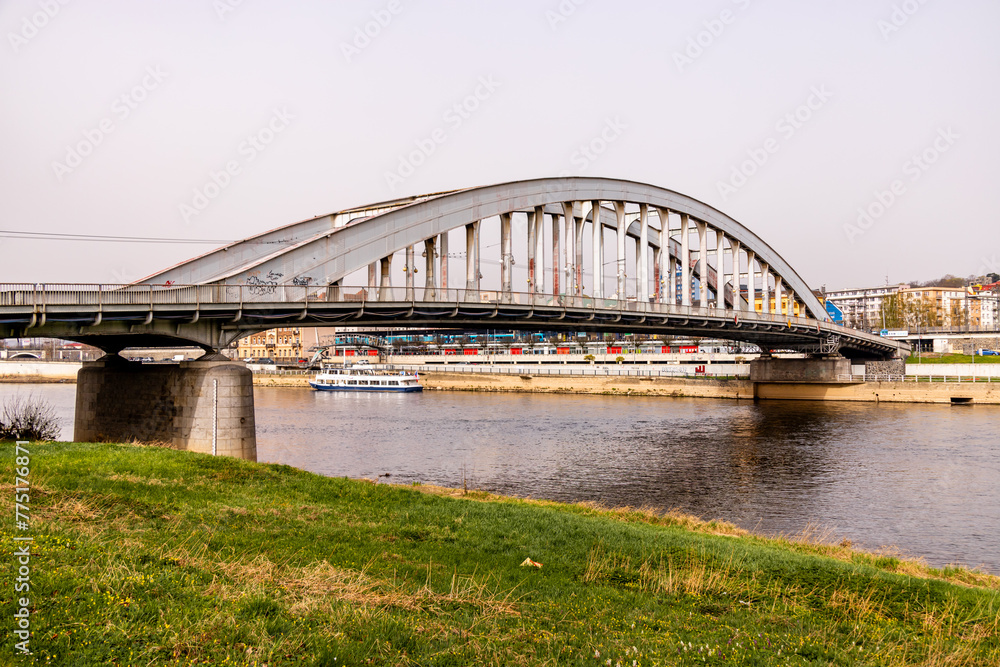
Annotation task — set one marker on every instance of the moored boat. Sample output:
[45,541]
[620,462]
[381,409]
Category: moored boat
[352,378]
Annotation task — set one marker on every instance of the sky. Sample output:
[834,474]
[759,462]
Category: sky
[859,138]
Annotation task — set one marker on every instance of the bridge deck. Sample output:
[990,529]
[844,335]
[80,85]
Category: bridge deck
[214,315]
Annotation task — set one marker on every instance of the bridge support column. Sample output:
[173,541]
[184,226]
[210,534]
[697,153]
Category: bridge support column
[765,288]
[735,247]
[201,406]
[685,260]
[430,280]
[385,282]
[658,274]
[578,224]
[411,271]
[506,258]
[778,306]
[720,271]
[372,272]
[702,263]
[333,290]
[444,265]
[642,281]
[532,244]
[539,250]
[569,248]
[751,282]
[556,254]
[472,261]
[597,246]
[620,214]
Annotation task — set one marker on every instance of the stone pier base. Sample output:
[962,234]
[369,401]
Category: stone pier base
[187,405]
[824,370]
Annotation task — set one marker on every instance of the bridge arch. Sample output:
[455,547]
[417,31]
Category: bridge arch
[323,251]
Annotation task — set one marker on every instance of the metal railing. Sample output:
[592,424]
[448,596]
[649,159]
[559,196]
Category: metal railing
[41,296]
[887,377]
[50,294]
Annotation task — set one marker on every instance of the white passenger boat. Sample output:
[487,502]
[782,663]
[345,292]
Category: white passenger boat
[354,378]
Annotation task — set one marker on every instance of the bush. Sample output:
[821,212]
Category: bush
[28,419]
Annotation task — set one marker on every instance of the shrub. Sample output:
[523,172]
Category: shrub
[28,419]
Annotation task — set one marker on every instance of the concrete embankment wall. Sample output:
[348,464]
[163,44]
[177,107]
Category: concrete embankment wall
[615,385]
[39,371]
[888,392]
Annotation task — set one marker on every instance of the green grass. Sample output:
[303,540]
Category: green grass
[933,358]
[147,556]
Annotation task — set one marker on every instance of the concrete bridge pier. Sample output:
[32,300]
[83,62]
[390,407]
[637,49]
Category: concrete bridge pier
[204,405]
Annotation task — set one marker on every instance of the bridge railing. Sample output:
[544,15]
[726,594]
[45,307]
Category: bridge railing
[56,294]
[42,295]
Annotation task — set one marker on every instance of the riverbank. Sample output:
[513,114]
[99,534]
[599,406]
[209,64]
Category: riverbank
[983,393]
[152,556]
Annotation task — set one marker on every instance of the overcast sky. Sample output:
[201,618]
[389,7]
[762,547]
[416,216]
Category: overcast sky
[860,138]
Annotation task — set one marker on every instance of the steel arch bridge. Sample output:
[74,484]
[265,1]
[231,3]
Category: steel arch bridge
[680,267]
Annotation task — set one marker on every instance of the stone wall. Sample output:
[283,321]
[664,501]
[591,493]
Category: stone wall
[178,404]
[885,369]
[576,384]
[968,345]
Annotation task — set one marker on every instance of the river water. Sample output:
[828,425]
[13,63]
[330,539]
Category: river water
[922,478]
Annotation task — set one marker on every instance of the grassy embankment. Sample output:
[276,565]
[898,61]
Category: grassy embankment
[150,556]
[936,358]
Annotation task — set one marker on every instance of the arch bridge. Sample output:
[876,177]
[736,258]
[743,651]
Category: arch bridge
[589,254]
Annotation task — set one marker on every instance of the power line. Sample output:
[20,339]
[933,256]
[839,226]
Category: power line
[107,238]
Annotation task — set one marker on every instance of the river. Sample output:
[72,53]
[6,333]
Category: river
[922,478]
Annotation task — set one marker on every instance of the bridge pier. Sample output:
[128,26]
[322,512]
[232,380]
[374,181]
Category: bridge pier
[826,370]
[203,405]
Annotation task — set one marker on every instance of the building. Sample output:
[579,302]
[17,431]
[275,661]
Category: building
[937,307]
[862,308]
[287,344]
[773,305]
[985,305]
[281,345]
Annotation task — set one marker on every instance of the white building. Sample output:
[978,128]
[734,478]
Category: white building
[863,307]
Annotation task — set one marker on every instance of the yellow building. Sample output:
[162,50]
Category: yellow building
[281,345]
[759,304]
